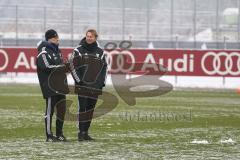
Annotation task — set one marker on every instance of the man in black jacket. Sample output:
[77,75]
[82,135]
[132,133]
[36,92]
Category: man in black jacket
[49,59]
[88,67]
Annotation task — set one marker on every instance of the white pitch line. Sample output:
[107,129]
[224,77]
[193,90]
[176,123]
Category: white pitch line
[21,94]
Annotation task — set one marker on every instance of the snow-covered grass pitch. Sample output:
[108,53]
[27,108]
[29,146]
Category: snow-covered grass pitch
[183,124]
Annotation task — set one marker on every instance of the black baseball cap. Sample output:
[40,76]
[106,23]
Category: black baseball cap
[51,33]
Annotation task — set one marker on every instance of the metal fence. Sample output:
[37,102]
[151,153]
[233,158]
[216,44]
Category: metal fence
[148,23]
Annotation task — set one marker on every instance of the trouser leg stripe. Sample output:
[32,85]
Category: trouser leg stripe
[49,116]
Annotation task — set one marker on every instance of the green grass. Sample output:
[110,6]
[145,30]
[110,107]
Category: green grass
[155,128]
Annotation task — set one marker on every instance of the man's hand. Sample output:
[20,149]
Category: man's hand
[67,66]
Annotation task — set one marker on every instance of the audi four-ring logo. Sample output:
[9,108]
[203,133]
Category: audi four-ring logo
[217,63]
[120,61]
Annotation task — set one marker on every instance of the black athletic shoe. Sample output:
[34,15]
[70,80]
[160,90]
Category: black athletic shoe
[61,138]
[83,136]
[51,138]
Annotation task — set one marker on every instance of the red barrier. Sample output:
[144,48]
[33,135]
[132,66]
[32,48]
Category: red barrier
[176,62]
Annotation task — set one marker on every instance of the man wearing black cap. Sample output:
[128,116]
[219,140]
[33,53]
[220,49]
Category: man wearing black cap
[49,59]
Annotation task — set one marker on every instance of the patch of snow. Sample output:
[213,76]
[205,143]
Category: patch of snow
[199,142]
[227,141]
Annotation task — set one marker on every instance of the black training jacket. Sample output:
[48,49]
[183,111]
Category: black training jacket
[49,59]
[88,65]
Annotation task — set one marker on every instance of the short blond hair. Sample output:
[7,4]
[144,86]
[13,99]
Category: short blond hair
[93,31]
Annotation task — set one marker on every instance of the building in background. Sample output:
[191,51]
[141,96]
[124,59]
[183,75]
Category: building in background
[162,22]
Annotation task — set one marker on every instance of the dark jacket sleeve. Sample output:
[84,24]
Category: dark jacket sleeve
[44,62]
[75,57]
[103,74]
